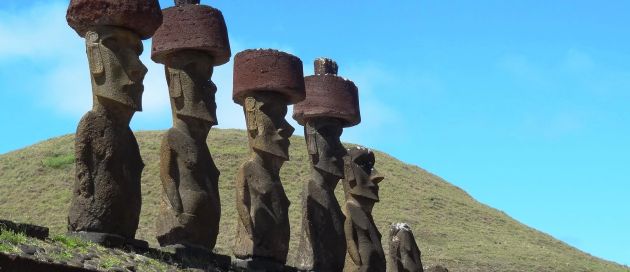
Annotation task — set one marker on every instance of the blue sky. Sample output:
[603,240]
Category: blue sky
[523,104]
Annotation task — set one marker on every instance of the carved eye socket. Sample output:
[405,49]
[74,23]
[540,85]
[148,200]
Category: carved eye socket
[365,164]
[111,43]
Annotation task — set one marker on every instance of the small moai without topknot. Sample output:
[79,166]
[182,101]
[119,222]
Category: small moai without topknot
[404,254]
[265,82]
[331,104]
[361,190]
[191,41]
[106,199]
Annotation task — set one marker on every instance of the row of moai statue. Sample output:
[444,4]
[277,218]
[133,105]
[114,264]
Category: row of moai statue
[190,39]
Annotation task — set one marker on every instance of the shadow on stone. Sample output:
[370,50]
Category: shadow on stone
[29,230]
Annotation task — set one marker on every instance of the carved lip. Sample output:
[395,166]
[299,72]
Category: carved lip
[134,87]
[283,142]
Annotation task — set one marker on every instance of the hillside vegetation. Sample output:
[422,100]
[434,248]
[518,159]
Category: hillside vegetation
[451,227]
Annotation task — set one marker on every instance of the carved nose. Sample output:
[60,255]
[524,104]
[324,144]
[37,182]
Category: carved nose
[286,130]
[137,71]
[376,177]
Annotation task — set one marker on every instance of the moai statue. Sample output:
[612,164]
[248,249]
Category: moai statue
[361,189]
[404,254]
[106,199]
[265,82]
[331,104]
[191,41]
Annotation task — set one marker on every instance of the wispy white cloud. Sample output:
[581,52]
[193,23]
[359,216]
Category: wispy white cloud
[35,32]
[377,116]
[40,33]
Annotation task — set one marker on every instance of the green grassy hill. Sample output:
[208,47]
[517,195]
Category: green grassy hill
[451,227]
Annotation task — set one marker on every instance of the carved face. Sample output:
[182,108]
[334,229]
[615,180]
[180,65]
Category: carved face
[361,176]
[268,129]
[324,145]
[117,73]
[192,93]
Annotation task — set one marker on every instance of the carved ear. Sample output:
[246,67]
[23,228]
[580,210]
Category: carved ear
[250,116]
[311,141]
[94,54]
[349,171]
[175,89]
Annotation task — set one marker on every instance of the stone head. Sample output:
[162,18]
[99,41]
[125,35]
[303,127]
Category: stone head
[115,67]
[268,130]
[362,179]
[192,93]
[400,230]
[324,144]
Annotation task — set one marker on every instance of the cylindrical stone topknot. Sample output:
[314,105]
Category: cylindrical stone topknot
[192,27]
[325,66]
[141,16]
[328,95]
[187,2]
[268,70]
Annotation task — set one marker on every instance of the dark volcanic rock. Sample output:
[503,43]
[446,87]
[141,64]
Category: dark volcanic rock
[13,263]
[186,2]
[437,268]
[29,250]
[27,229]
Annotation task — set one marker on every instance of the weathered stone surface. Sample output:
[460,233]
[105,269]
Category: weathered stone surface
[437,268]
[322,243]
[325,66]
[143,17]
[19,263]
[257,70]
[107,195]
[328,95]
[258,264]
[186,2]
[262,205]
[196,257]
[192,27]
[27,229]
[361,190]
[404,254]
[190,208]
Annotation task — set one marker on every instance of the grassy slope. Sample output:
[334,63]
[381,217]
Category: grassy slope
[452,228]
